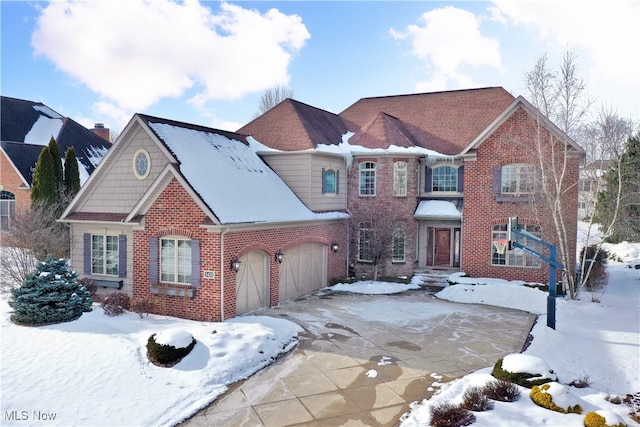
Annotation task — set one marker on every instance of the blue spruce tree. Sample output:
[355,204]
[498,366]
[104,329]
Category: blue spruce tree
[51,294]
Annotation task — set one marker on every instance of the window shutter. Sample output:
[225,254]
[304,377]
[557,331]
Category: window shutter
[122,255]
[324,176]
[153,260]
[195,263]
[86,255]
[461,179]
[337,182]
[497,179]
[428,187]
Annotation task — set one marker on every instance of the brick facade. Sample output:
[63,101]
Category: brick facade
[403,208]
[175,213]
[512,142]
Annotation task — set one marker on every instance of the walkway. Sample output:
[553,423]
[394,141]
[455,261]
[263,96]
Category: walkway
[364,358]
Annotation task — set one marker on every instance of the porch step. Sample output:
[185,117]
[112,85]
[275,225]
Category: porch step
[433,280]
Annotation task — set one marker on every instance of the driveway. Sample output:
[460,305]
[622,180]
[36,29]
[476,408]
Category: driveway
[364,358]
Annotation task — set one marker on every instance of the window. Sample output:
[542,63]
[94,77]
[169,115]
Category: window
[7,209]
[582,205]
[518,179]
[367,179]
[400,179]
[445,178]
[584,185]
[398,251]
[175,260]
[105,254]
[515,257]
[329,181]
[364,242]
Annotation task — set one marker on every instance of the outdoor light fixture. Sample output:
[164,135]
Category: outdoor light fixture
[279,256]
[334,247]
[235,264]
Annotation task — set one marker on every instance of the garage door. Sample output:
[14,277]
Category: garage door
[252,282]
[303,270]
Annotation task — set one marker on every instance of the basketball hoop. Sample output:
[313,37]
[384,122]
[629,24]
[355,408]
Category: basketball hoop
[501,245]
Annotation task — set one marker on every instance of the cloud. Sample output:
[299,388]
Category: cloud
[604,34]
[448,42]
[137,52]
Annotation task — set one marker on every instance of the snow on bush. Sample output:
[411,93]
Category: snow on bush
[524,370]
[556,397]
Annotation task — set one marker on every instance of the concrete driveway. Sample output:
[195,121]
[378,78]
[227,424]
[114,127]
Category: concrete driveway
[364,358]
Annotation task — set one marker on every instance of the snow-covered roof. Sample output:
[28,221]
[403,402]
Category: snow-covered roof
[437,209]
[230,177]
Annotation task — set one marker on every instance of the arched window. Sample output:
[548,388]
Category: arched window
[330,181]
[367,179]
[7,209]
[398,250]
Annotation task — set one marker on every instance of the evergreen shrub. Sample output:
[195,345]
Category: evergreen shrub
[50,294]
[166,355]
[543,399]
[524,379]
[594,419]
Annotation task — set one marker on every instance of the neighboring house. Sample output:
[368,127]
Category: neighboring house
[452,166]
[25,128]
[590,184]
[192,219]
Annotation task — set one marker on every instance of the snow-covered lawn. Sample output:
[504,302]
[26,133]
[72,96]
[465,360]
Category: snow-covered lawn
[95,371]
[596,341]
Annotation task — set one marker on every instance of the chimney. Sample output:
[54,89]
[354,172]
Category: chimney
[101,131]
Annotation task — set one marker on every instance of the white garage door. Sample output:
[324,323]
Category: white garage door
[303,270]
[252,282]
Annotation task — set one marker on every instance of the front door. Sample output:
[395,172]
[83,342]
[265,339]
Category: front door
[442,254]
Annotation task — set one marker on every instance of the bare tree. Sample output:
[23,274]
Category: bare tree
[373,232]
[272,97]
[34,235]
[559,96]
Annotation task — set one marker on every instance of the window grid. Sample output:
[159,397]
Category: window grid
[7,209]
[367,179]
[400,179]
[399,239]
[175,261]
[518,179]
[445,178]
[515,257]
[104,255]
[364,242]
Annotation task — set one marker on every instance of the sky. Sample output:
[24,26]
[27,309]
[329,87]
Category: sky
[208,63]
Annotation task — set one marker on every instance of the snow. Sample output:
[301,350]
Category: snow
[246,190]
[437,209]
[42,130]
[178,338]
[94,370]
[596,341]
[527,363]
[373,288]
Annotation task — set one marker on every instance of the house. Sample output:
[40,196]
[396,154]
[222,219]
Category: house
[590,184]
[193,220]
[452,166]
[25,128]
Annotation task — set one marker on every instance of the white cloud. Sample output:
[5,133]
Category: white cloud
[448,42]
[604,34]
[136,52]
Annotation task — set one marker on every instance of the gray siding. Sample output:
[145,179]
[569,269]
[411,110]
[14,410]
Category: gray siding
[302,172]
[119,190]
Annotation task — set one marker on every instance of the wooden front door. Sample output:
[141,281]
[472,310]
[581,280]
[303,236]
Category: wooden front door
[442,254]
